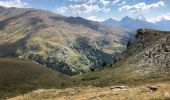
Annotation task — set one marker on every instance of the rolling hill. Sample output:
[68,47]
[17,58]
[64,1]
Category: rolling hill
[70,45]
[20,76]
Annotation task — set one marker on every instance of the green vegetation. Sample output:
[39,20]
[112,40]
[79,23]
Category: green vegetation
[75,46]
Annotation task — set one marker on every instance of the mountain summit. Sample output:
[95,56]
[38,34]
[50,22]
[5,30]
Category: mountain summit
[126,19]
[112,22]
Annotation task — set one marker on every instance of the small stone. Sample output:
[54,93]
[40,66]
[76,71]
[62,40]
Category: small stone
[21,57]
[119,88]
[153,88]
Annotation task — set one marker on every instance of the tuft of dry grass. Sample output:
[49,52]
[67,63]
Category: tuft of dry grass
[96,93]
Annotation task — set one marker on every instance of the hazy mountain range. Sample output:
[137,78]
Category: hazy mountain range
[134,24]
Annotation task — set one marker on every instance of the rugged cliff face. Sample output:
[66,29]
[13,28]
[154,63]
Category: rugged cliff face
[150,53]
[71,45]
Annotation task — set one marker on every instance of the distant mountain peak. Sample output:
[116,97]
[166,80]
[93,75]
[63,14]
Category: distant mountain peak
[126,18]
[139,22]
[112,20]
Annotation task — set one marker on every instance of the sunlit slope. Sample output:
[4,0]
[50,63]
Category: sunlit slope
[71,45]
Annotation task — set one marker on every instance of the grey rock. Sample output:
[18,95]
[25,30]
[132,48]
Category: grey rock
[153,88]
[119,88]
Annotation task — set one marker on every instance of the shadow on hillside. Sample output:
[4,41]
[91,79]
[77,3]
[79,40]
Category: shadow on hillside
[22,76]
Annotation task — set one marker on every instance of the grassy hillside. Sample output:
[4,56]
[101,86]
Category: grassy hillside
[22,76]
[94,93]
[71,45]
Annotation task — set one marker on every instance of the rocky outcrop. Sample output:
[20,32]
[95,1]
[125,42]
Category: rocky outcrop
[150,53]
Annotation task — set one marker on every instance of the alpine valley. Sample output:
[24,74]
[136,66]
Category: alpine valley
[47,56]
[71,45]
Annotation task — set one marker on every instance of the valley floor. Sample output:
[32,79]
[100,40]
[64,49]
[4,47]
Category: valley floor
[96,93]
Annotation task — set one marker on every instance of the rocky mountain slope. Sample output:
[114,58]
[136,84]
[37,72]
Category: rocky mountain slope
[145,60]
[71,45]
[150,53]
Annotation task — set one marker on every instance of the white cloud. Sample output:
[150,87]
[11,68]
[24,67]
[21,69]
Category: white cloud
[14,3]
[88,6]
[94,18]
[104,2]
[116,1]
[84,1]
[106,10]
[61,10]
[159,18]
[90,1]
[85,7]
[122,3]
[141,7]
[82,9]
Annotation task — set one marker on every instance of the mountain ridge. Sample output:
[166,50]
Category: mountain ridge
[134,24]
[56,41]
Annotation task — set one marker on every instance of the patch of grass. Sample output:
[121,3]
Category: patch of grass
[89,78]
[22,76]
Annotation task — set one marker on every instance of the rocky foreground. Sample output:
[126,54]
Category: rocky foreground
[94,93]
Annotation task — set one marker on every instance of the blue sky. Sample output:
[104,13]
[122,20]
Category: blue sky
[152,10]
